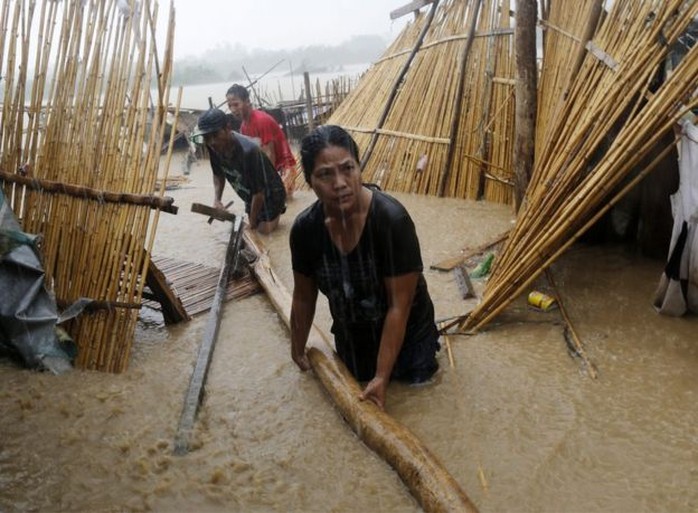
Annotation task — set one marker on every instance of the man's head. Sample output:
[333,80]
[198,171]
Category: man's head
[213,126]
[239,101]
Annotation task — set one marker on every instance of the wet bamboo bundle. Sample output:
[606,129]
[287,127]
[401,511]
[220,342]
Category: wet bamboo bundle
[83,119]
[578,173]
[486,124]
[413,152]
[566,32]
[432,486]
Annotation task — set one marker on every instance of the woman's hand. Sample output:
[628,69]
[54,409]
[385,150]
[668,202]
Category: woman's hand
[375,392]
[301,360]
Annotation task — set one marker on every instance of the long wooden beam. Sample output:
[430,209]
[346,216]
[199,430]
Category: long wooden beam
[192,400]
[432,486]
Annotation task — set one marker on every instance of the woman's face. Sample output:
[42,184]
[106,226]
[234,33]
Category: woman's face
[336,180]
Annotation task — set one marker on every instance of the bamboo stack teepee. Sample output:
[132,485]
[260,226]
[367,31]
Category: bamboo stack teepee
[577,177]
[434,115]
[83,130]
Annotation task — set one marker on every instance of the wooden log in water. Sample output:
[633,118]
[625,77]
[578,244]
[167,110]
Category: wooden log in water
[430,483]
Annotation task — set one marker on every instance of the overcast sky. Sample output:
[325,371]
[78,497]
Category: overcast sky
[277,24]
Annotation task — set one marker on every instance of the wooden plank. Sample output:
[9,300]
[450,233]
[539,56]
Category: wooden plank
[411,7]
[451,263]
[430,483]
[195,391]
[221,215]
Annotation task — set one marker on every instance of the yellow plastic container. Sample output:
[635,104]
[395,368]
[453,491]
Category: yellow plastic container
[541,300]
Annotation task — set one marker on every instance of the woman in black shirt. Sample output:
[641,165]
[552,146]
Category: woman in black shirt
[358,246]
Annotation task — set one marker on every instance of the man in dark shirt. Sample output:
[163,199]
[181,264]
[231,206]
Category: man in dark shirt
[238,159]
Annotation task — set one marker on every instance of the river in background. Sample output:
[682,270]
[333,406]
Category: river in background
[516,420]
[281,84]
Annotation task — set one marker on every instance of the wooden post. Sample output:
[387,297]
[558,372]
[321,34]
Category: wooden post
[203,361]
[526,100]
[308,101]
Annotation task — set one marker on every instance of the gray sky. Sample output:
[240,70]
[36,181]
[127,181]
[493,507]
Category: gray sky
[276,24]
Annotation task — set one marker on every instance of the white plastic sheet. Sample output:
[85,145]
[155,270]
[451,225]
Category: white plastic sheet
[678,287]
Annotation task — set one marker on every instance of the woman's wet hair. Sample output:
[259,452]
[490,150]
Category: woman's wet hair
[239,91]
[319,139]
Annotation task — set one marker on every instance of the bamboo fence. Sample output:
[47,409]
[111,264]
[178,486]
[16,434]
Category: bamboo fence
[84,120]
[580,171]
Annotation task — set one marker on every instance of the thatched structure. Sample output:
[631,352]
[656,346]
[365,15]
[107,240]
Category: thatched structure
[80,150]
[435,115]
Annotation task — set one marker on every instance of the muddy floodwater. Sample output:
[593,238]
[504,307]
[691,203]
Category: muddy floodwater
[515,419]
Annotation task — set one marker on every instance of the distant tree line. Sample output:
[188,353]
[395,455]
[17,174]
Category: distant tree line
[225,62]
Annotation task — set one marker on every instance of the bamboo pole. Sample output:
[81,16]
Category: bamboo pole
[576,342]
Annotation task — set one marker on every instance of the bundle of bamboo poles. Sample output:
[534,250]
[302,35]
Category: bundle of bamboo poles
[76,111]
[419,122]
[565,34]
[579,173]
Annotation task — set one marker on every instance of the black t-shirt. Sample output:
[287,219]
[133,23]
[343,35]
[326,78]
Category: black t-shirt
[249,171]
[354,283]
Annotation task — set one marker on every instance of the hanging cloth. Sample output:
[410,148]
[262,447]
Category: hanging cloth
[677,292]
